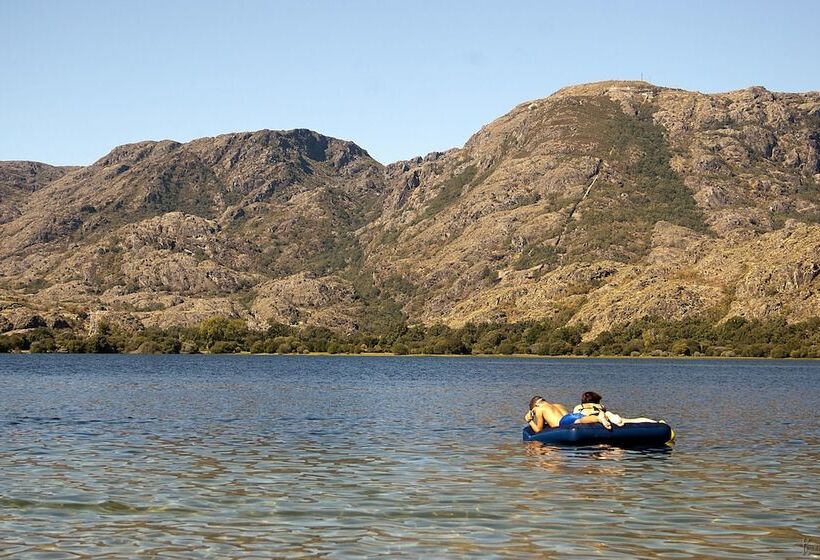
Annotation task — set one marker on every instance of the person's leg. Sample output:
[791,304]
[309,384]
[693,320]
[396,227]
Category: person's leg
[637,420]
[595,419]
[614,418]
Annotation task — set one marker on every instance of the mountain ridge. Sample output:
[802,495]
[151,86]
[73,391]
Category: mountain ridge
[606,202]
[597,86]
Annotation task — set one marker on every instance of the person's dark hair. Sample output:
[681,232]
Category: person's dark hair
[534,400]
[591,397]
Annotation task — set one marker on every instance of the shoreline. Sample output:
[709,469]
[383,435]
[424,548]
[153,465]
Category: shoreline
[391,355]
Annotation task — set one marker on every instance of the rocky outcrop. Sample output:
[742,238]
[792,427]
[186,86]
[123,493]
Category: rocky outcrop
[193,311]
[304,299]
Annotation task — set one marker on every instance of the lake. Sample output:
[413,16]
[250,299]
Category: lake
[293,456]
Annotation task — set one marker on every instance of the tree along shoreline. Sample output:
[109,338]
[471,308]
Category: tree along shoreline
[400,356]
[656,338]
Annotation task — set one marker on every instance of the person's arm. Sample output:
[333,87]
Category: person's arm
[535,420]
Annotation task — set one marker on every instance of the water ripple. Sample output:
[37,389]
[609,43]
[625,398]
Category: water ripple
[259,457]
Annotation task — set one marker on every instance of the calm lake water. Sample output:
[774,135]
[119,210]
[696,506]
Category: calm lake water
[278,456]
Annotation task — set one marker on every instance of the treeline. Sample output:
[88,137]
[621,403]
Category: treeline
[693,337]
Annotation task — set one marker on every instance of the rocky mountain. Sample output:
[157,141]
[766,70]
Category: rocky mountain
[603,203]
[18,179]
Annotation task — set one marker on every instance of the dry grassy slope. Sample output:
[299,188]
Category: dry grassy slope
[610,201]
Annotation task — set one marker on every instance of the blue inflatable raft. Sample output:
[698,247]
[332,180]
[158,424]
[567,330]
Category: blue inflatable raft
[643,434]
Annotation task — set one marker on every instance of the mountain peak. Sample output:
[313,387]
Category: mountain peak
[603,87]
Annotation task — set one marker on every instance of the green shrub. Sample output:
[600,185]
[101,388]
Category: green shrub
[100,344]
[694,336]
[148,347]
[506,348]
[224,347]
[74,345]
[779,352]
[400,349]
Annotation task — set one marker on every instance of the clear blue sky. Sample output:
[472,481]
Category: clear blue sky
[400,78]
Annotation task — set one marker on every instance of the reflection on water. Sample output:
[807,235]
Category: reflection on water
[254,457]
